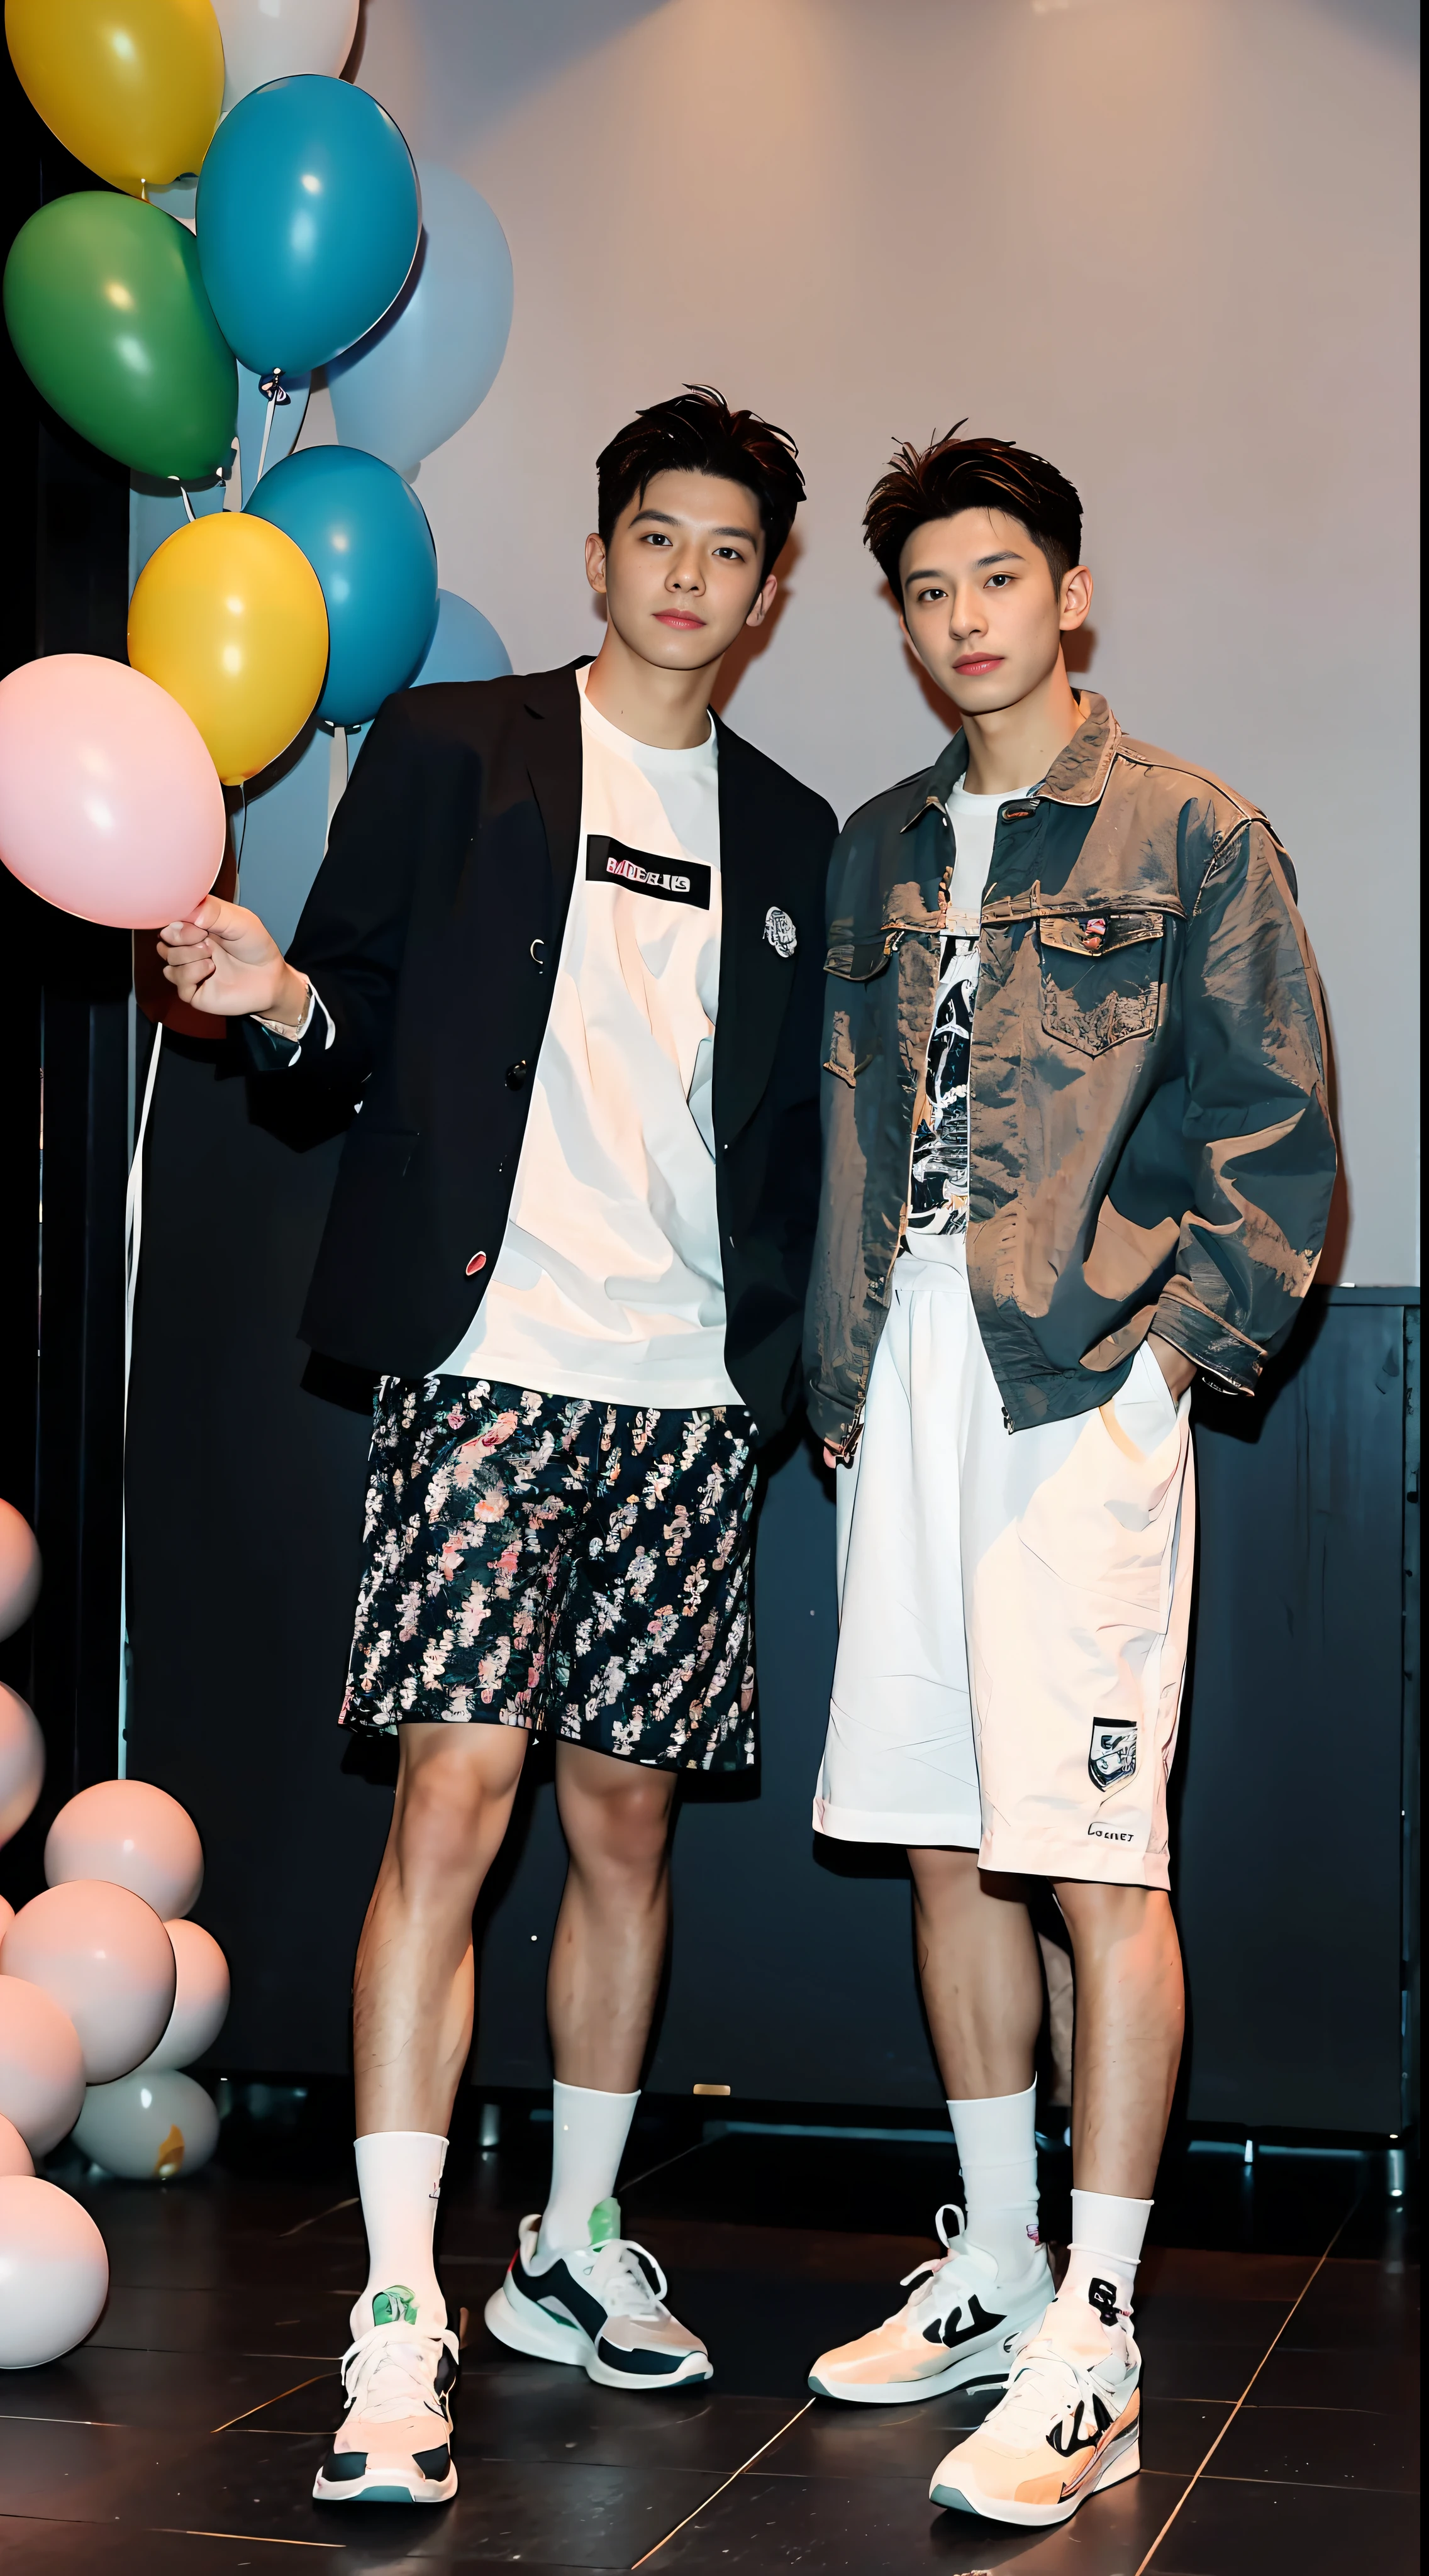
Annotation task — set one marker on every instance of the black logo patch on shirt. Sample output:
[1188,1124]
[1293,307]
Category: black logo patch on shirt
[609,862]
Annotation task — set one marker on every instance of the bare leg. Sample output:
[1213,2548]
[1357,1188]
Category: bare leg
[1131,2012]
[614,1920]
[413,1992]
[978,1965]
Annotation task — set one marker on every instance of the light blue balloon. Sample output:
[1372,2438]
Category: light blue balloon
[366,536]
[465,646]
[308,221]
[412,382]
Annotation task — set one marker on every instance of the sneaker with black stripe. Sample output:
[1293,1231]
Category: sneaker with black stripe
[600,2307]
[394,2443]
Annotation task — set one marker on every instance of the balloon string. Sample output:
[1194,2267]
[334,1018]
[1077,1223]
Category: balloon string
[133,1231]
[242,834]
[188,505]
[271,387]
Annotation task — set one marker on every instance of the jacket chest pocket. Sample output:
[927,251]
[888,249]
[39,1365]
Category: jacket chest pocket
[1101,977]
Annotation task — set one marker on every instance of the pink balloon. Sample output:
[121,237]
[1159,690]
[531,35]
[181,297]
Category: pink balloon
[41,2065]
[110,806]
[133,1834]
[19,1569]
[15,2156]
[104,1957]
[22,1762]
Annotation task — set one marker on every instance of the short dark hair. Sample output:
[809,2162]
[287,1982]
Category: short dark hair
[953,474]
[697,433]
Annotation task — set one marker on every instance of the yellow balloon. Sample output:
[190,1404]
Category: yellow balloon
[228,616]
[132,88]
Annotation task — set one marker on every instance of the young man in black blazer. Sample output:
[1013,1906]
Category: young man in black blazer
[564,955]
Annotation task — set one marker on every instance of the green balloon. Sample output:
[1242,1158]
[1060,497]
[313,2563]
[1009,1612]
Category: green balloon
[106,307]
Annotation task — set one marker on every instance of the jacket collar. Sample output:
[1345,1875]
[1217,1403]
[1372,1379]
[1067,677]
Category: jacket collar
[1077,776]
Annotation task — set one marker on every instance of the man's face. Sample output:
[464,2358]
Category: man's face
[682,572]
[981,611]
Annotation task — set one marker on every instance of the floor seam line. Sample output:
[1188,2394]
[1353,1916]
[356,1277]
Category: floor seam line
[286,2232]
[275,2400]
[1199,2473]
[725,2483]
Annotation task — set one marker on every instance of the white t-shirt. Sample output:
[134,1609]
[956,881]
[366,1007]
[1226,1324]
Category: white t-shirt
[938,1199]
[608,1282]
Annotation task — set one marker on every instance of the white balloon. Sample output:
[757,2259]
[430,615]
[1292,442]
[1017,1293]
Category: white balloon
[200,1998]
[148,2128]
[19,1569]
[263,40]
[41,2065]
[54,2272]
[15,2156]
[134,1835]
[108,1962]
[22,1761]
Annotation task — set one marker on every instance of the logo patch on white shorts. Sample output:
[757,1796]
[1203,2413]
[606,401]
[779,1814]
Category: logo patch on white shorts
[1113,1752]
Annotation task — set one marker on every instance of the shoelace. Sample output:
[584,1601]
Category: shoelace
[618,2276]
[387,2375]
[926,2279]
[1023,2413]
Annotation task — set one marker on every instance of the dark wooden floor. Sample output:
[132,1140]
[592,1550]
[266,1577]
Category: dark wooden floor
[1277,2316]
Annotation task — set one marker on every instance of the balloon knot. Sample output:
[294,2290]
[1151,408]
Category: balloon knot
[272,387]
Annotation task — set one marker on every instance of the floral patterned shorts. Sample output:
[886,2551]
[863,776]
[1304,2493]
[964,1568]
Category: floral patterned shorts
[569,1566]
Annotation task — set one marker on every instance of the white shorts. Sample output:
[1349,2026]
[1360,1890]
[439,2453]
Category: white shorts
[1013,1607]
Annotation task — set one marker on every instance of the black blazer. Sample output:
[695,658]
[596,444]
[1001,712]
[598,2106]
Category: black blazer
[432,932]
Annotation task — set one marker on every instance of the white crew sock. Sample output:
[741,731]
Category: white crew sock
[588,2134]
[1107,2238]
[399,2176]
[997,2149]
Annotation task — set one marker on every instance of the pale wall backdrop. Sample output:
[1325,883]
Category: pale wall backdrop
[1170,243]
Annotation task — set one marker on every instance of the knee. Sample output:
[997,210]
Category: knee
[624,1830]
[1100,1916]
[450,1805]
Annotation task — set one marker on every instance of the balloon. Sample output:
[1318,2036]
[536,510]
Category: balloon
[465,645]
[308,220]
[54,2272]
[131,87]
[41,2065]
[200,1999]
[105,1958]
[7,1916]
[132,1835]
[366,536]
[412,382]
[264,40]
[15,2156]
[22,1763]
[106,306]
[19,1571]
[228,616]
[109,804]
[147,2128]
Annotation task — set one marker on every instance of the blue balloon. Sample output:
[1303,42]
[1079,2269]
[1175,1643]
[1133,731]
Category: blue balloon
[366,536]
[412,382]
[465,645]
[308,221]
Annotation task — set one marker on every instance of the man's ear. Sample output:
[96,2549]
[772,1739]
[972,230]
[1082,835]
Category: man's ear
[595,563]
[764,602]
[1076,598]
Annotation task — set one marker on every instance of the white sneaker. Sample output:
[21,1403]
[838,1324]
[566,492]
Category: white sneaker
[394,2442]
[1069,2423]
[960,2324]
[600,2307]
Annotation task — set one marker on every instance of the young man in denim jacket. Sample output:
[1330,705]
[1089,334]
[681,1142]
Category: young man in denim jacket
[1077,1147]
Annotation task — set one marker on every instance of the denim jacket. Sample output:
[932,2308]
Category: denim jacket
[1149,1124]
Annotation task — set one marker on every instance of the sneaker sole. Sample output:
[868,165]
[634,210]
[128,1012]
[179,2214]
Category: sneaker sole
[384,2489]
[524,2327]
[1118,2461]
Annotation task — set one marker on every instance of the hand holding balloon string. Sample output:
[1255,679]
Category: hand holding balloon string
[221,959]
